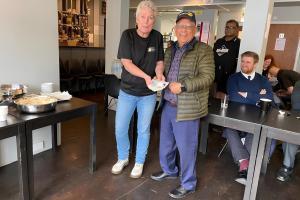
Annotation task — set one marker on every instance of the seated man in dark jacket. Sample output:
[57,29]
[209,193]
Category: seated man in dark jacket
[247,87]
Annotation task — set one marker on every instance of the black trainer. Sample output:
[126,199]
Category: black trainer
[180,192]
[284,173]
[160,176]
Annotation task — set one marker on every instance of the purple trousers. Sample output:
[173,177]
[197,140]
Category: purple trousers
[181,135]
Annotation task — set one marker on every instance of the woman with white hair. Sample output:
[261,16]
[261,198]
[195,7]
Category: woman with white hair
[141,54]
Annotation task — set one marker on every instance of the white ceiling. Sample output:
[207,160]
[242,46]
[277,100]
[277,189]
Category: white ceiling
[175,5]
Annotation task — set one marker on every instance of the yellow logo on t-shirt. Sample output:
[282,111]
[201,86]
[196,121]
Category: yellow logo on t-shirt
[151,49]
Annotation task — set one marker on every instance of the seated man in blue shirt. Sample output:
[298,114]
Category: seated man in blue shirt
[246,87]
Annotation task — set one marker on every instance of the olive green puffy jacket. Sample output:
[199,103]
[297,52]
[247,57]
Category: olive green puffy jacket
[197,71]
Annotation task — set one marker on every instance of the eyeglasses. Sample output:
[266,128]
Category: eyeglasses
[230,27]
[186,27]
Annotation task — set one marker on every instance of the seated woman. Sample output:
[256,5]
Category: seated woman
[269,61]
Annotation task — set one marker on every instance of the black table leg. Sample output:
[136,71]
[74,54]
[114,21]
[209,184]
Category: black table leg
[92,165]
[54,136]
[204,134]
[22,159]
[105,104]
[28,131]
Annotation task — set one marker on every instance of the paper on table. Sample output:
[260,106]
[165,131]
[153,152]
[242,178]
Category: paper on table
[157,85]
[61,96]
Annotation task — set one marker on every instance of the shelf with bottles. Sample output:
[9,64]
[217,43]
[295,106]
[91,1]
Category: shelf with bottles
[167,38]
[73,28]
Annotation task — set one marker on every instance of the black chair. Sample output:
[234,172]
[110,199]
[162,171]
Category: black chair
[94,70]
[111,88]
[79,73]
[100,75]
[66,80]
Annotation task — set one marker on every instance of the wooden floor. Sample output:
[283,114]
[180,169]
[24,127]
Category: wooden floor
[64,174]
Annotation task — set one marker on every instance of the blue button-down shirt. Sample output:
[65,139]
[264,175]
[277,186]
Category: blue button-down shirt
[173,72]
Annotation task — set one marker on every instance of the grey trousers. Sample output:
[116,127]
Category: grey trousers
[289,151]
[239,150]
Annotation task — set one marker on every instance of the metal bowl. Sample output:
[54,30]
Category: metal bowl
[36,108]
[49,104]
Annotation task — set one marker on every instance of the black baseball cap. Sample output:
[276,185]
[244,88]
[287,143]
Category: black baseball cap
[186,15]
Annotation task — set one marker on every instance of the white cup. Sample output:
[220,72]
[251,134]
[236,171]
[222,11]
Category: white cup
[3,113]
[47,88]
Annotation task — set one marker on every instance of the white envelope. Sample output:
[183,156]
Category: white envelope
[157,85]
[61,96]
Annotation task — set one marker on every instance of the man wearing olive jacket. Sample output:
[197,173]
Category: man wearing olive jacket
[189,68]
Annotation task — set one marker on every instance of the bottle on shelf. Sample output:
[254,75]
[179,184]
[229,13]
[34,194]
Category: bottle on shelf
[73,28]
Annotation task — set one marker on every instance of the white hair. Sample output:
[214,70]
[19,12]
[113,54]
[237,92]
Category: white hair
[146,4]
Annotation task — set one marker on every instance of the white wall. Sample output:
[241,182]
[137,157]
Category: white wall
[209,15]
[297,59]
[255,29]
[286,15]
[224,16]
[28,55]
[167,22]
[164,22]
[117,20]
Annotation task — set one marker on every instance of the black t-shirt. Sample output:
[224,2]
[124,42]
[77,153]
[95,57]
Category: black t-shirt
[144,53]
[287,78]
[265,72]
[226,54]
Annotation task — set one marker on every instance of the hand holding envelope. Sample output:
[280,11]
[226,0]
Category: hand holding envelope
[157,85]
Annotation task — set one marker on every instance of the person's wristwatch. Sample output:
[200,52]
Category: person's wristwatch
[183,88]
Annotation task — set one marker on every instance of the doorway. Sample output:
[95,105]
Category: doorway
[285,59]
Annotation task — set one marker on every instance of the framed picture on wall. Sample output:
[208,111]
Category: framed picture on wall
[104,7]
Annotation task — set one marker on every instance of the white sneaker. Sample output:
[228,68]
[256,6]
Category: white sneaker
[119,166]
[137,171]
[242,181]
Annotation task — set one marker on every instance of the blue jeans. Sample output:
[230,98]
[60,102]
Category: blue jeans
[289,152]
[126,105]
